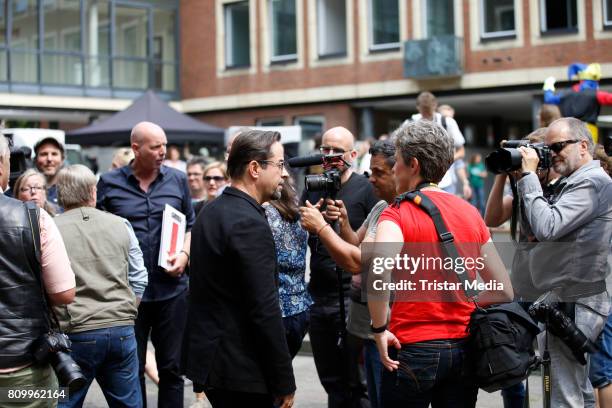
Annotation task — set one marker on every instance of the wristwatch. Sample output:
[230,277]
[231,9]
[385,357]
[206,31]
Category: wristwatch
[378,330]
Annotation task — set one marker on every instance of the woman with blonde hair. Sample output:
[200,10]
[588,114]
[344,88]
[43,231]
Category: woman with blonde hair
[215,180]
[32,186]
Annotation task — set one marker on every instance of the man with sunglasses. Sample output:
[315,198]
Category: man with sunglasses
[579,221]
[339,378]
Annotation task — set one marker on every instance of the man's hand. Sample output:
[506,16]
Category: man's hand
[311,218]
[336,210]
[286,401]
[383,341]
[467,191]
[179,262]
[530,159]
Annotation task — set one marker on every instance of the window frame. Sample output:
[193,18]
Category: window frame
[496,35]
[286,58]
[229,35]
[321,29]
[384,47]
[607,24]
[425,14]
[544,31]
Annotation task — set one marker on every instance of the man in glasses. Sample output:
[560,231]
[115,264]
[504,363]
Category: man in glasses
[357,198]
[235,344]
[579,221]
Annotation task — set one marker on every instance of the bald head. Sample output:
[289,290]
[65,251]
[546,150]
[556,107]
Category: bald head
[339,137]
[144,129]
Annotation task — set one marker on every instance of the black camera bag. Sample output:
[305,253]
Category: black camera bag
[500,347]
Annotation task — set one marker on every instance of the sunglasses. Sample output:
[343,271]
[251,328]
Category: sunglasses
[215,178]
[557,147]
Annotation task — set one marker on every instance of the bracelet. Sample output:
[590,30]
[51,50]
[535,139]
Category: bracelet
[185,252]
[321,229]
[378,330]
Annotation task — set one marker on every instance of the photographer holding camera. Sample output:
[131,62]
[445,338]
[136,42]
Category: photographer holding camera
[336,360]
[30,278]
[577,221]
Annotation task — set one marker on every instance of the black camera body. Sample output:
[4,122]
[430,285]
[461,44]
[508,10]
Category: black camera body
[508,158]
[54,348]
[559,324]
[328,182]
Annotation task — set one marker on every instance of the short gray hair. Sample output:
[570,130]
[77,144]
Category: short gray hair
[74,184]
[576,129]
[430,144]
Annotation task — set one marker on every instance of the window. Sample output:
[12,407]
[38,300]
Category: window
[131,70]
[270,122]
[331,21]
[440,17]
[164,49]
[384,24]
[24,41]
[311,125]
[97,43]
[558,15]
[62,35]
[284,32]
[497,18]
[607,12]
[237,44]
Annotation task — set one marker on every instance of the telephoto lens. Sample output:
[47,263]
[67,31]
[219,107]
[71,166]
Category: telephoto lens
[68,372]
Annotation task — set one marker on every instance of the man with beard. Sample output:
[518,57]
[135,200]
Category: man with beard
[235,340]
[579,221]
[346,252]
[49,160]
[337,368]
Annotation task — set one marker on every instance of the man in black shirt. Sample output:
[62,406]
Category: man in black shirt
[235,342]
[338,369]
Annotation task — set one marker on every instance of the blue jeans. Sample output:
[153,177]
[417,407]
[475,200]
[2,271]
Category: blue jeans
[108,355]
[430,372]
[600,372]
[374,370]
[478,199]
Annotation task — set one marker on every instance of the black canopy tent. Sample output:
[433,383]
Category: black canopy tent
[115,130]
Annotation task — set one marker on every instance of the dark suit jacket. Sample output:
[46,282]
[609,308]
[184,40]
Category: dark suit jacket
[235,338]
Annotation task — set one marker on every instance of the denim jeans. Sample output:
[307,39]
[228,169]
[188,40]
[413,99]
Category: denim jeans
[430,372]
[374,370]
[600,372]
[108,355]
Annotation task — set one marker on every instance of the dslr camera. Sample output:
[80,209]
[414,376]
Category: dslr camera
[559,324]
[329,181]
[508,158]
[54,348]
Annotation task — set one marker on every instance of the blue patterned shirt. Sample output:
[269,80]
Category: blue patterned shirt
[290,241]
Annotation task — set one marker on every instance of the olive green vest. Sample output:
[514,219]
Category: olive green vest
[98,245]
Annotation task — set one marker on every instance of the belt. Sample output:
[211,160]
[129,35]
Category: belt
[580,290]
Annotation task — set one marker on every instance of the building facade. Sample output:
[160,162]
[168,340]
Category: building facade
[360,63]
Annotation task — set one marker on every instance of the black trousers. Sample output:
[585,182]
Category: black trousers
[165,321]
[232,399]
[339,371]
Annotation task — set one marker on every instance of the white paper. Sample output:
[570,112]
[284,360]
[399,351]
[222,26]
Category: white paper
[172,235]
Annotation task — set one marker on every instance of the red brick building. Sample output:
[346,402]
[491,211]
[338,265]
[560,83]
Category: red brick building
[322,63]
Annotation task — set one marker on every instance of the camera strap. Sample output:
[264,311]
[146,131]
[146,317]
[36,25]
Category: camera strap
[33,216]
[444,235]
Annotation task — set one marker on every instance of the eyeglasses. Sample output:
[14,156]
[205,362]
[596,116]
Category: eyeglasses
[280,164]
[32,189]
[331,150]
[215,178]
[557,147]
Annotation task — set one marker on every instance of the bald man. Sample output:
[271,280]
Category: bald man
[356,197]
[139,193]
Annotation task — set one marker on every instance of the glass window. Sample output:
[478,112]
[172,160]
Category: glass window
[62,22]
[498,18]
[3,66]
[25,24]
[558,15]
[163,35]
[130,74]
[284,32]
[607,9]
[61,69]
[164,77]
[311,125]
[2,22]
[24,66]
[237,44]
[131,32]
[270,122]
[440,15]
[97,43]
[331,19]
[384,24]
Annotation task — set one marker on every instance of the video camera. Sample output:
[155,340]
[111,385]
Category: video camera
[329,181]
[508,158]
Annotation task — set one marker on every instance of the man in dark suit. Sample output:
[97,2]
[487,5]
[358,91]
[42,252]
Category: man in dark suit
[235,342]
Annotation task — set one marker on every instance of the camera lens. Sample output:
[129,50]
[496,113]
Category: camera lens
[504,160]
[316,182]
[68,371]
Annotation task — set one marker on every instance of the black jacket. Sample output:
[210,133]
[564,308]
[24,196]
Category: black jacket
[235,338]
